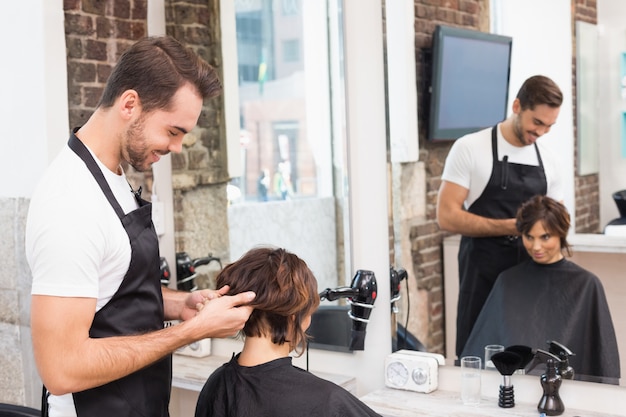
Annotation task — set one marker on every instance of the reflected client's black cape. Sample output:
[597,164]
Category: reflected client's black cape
[532,303]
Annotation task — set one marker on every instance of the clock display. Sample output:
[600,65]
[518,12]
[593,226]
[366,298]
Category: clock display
[397,374]
[412,370]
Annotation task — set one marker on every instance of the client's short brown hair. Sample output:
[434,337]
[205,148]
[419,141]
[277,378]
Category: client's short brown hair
[286,293]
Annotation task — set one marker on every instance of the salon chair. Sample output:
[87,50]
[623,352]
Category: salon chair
[10,410]
[617,226]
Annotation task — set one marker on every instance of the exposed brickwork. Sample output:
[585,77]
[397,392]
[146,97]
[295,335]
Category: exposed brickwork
[587,187]
[202,166]
[96,32]
[197,24]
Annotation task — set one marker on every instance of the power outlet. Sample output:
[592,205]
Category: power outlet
[198,349]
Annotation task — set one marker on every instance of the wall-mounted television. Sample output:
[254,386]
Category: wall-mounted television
[469,81]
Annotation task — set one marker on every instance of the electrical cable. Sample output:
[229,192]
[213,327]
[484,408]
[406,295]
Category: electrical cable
[307,356]
[408,310]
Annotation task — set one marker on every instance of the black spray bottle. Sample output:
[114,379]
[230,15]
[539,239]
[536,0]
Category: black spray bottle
[551,403]
[563,352]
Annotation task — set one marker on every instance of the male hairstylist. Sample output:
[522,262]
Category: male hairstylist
[486,177]
[97,308]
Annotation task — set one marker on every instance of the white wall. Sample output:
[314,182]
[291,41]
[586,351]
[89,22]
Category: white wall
[401,86]
[542,44]
[612,42]
[33,92]
[366,126]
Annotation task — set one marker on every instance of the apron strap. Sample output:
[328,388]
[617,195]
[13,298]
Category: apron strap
[494,147]
[44,401]
[81,150]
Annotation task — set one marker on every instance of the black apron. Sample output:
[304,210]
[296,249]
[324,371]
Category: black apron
[136,307]
[482,259]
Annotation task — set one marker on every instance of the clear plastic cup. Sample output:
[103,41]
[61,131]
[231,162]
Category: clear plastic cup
[470,379]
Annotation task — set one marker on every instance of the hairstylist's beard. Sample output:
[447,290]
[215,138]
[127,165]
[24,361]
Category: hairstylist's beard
[517,131]
[136,146]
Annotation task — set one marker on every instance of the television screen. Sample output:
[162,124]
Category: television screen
[470,81]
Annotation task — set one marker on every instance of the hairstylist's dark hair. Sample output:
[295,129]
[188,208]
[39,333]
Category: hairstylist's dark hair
[156,67]
[286,293]
[552,215]
[539,90]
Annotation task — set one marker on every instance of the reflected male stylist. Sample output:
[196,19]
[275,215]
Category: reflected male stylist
[97,307]
[486,177]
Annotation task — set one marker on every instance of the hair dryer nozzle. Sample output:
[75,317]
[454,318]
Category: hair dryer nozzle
[396,276]
[361,306]
[361,295]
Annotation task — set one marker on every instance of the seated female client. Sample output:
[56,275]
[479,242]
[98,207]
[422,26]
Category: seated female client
[549,298]
[261,381]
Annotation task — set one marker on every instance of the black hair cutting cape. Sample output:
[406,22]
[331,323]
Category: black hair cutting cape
[275,389]
[533,303]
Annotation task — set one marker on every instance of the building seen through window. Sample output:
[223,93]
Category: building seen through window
[277,154]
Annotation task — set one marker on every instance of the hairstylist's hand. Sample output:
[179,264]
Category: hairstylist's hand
[225,315]
[195,301]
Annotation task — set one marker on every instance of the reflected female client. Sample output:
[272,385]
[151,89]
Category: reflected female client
[549,298]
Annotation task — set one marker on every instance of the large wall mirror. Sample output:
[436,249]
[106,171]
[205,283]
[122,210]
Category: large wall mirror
[294,119]
[290,190]
[282,131]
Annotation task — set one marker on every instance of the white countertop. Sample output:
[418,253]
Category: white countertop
[190,373]
[580,242]
[586,242]
[396,403]
[584,399]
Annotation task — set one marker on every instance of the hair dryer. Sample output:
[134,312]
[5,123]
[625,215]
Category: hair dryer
[361,295]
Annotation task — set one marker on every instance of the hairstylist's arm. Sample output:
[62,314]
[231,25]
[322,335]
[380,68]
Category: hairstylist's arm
[69,360]
[452,217]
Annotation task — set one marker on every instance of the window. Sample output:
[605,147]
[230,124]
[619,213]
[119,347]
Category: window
[291,50]
[285,133]
[291,189]
[290,7]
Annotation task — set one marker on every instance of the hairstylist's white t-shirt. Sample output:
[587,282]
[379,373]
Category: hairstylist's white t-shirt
[76,245]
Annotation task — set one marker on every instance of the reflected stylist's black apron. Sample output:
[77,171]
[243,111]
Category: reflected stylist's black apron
[136,307]
[482,259]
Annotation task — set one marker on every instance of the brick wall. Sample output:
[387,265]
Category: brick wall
[96,33]
[200,172]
